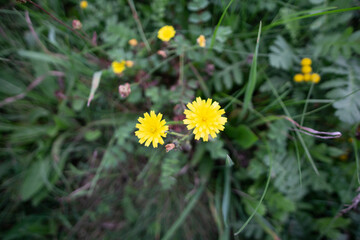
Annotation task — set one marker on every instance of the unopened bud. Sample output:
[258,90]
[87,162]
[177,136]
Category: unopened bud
[129,63]
[169,147]
[162,53]
[133,42]
[124,90]
[76,24]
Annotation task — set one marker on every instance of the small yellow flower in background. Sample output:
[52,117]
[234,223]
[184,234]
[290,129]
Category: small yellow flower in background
[83,4]
[205,117]
[133,42]
[307,77]
[315,78]
[118,67]
[166,33]
[201,41]
[306,69]
[306,61]
[299,77]
[344,157]
[151,129]
[129,63]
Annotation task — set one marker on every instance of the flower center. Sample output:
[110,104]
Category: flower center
[153,129]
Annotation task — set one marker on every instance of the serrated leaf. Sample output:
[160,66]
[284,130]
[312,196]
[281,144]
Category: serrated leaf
[281,54]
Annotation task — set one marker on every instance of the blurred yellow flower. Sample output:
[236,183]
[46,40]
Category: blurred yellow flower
[205,117]
[129,63]
[344,157]
[201,41]
[83,4]
[151,129]
[166,33]
[118,67]
[306,69]
[306,61]
[307,77]
[299,77]
[315,78]
[133,42]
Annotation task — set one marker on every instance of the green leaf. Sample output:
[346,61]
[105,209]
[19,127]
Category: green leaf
[281,54]
[197,5]
[34,179]
[92,135]
[242,135]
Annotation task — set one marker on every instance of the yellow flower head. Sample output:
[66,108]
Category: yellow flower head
[315,78]
[166,33]
[201,41]
[151,129]
[83,4]
[129,63]
[118,67]
[133,42]
[205,117]
[306,69]
[344,157]
[307,77]
[306,62]
[299,77]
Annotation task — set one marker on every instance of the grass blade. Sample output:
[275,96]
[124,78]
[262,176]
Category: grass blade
[226,196]
[263,195]
[252,78]
[185,213]
[219,23]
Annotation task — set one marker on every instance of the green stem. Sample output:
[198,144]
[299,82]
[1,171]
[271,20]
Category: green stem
[306,103]
[176,134]
[138,24]
[175,122]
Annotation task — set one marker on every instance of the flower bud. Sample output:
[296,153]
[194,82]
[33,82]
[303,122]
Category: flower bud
[76,24]
[124,90]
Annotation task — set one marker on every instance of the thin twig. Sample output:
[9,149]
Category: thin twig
[32,85]
[61,22]
[201,80]
[28,20]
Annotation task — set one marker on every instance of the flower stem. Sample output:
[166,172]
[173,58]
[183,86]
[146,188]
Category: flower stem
[175,122]
[138,23]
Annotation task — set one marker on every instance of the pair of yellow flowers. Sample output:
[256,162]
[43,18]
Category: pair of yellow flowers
[205,117]
[168,32]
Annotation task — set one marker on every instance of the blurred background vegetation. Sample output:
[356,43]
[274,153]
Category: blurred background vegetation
[72,171]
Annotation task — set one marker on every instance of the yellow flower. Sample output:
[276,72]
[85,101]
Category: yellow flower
[151,129]
[166,33]
[315,78]
[133,42]
[344,157]
[307,77]
[306,62]
[205,117]
[201,41]
[299,77]
[83,4]
[118,67]
[306,69]
[129,63]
